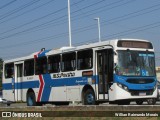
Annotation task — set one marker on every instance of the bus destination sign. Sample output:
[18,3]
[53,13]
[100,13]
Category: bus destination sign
[134,44]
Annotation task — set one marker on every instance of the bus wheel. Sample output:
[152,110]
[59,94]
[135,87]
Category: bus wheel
[151,101]
[139,102]
[31,99]
[89,97]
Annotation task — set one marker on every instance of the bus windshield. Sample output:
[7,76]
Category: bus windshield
[135,63]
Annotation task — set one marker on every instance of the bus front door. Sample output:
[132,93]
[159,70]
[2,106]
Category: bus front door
[18,81]
[104,72]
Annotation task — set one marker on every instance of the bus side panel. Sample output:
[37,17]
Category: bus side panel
[30,82]
[59,93]
[8,89]
[8,95]
[73,93]
[69,93]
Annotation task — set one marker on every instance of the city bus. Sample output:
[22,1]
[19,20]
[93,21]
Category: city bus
[116,71]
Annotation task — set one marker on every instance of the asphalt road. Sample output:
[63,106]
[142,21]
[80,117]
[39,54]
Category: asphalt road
[75,104]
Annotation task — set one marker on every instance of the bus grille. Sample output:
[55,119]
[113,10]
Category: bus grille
[140,81]
[141,92]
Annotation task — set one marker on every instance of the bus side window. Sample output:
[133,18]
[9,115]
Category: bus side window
[9,70]
[68,62]
[84,59]
[41,65]
[29,67]
[54,64]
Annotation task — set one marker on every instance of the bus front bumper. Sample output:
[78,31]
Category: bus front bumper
[118,93]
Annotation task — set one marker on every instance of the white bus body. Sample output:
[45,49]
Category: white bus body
[115,71]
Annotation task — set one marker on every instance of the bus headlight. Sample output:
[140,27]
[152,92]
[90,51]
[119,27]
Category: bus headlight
[125,88]
[122,86]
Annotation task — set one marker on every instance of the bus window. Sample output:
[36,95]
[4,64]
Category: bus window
[54,64]
[29,67]
[9,70]
[41,66]
[84,59]
[68,62]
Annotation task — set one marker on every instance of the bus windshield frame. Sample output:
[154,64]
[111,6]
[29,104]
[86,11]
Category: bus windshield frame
[135,63]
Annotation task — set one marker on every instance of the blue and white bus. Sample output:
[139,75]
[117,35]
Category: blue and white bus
[116,71]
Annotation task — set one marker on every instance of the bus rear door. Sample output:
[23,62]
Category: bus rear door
[8,82]
[18,80]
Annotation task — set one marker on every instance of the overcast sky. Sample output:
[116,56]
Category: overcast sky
[26,26]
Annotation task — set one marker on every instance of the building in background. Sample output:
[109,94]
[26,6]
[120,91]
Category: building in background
[158,73]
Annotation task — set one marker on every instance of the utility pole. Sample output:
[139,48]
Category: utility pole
[99,29]
[69,23]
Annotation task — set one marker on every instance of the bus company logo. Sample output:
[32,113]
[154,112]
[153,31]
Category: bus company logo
[60,75]
[6,114]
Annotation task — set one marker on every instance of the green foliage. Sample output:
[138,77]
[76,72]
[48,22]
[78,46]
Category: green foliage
[1,69]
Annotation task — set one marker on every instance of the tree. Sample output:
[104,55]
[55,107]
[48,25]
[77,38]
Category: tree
[1,69]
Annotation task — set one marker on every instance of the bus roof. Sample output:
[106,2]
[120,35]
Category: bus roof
[67,49]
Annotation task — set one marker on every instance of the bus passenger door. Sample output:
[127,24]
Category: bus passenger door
[104,72]
[18,80]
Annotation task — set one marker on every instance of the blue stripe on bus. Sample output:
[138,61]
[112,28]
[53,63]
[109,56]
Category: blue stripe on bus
[31,84]
[23,85]
[43,53]
[47,87]
[76,81]
[7,86]
[122,80]
[49,82]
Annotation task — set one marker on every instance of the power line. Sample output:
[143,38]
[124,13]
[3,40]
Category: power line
[111,21]
[18,9]
[156,25]
[47,23]
[91,12]
[127,16]
[135,30]
[26,12]
[130,31]
[131,15]
[7,4]
[90,27]
[37,19]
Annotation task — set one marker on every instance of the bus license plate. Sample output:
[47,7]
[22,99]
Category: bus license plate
[142,93]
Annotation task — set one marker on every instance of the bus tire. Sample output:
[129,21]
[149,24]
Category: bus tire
[139,102]
[151,101]
[31,99]
[89,97]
